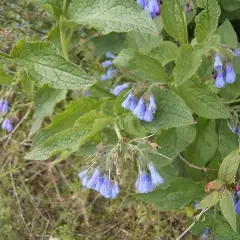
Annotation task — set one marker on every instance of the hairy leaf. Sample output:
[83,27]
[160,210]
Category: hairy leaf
[229,167]
[111,16]
[210,200]
[187,63]
[45,101]
[228,208]
[45,65]
[174,20]
[206,20]
[142,65]
[201,100]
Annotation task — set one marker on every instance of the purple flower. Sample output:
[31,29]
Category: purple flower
[115,190]
[5,107]
[1,104]
[127,102]
[92,182]
[86,93]
[85,180]
[119,89]
[153,8]
[140,110]
[152,103]
[205,235]
[156,178]
[134,103]
[237,208]
[7,125]
[230,74]
[196,205]
[237,51]
[104,77]
[111,72]
[106,63]
[148,115]
[219,83]
[82,174]
[141,3]
[238,193]
[144,183]
[99,183]
[106,188]
[110,55]
[218,62]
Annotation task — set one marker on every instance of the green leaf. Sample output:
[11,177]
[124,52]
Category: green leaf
[228,141]
[143,42]
[111,16]
[224,232]
[206,20]
[228,34]
[165,52]
[71,139]
[233,6]
[171,112]
[174,20]
[180,192]
[142,65]
[45,65]
[27,84]
[66,119]
[187,63]
[201,100]
[229,167]
[210,200]
[5,78]
[203,147]
[174,141]
[45,101]
[228,208]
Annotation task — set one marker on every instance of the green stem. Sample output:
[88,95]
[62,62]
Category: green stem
[63,40]
[64,8]
[233,101]
[117,130]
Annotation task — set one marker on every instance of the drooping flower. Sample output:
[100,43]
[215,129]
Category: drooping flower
[238,193]
[127,102]
[148,115]
[111,72]
[153,8]
[230,74]
[141,3]
[134,103]
[82,174]
[92,182]
[119,89]
[99,183]
[152,103]
[104,77]
[115,190]
[205,234]
[1,104]
[110,55]
[7,125]
[196,205]
[237,52]
[106,188]
[106,63]
[5,106]
[219,82]
[140,110]
[85,180]
[237,207]
[144,183]
[156,178]
[218,62]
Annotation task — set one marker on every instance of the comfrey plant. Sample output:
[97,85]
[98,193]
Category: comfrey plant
[159,123]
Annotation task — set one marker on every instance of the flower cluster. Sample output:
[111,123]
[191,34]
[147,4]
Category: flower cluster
[224,72]
[146,182]
[99,183]
[205,234]
[151,6]
[236,130]
[107,63]
[118,89]
[4,108]
[236,200]
[139,108]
